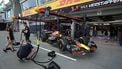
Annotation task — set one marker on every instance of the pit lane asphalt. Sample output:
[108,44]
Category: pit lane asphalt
[108,56]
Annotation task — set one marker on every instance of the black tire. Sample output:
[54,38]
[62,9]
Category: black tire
[61,47]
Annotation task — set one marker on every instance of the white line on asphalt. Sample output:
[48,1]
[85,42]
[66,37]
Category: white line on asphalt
[57,53]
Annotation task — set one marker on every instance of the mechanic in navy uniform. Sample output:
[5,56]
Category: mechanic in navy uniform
[26,51]
[26,31]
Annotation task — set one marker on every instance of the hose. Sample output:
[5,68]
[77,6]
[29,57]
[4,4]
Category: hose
[38,44]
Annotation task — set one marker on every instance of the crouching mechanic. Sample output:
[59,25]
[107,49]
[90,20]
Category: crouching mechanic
[26,51]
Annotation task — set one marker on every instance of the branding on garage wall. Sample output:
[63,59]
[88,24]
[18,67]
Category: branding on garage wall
[67,2]
[29,12]
[100,3]
[56,4]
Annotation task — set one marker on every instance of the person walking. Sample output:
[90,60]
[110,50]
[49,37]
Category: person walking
[26,32]
[10,38]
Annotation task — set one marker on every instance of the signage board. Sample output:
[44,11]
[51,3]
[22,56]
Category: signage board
[29,12]
[64,3]
[56,4]
[101,3]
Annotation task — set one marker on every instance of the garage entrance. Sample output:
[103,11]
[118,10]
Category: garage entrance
[2,26]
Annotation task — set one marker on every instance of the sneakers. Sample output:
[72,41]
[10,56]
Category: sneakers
[8,48]
[5,50]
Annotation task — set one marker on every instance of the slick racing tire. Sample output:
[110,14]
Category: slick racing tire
[62,45]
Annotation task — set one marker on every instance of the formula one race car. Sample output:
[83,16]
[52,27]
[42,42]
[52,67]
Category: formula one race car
[54,38]
[76,47]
